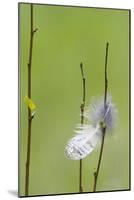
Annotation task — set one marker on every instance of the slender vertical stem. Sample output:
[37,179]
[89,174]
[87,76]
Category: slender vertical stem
[82,121]
[96,174]
[32,31]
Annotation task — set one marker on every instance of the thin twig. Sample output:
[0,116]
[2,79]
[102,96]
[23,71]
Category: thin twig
[82,121]
[32,31]
[96,174]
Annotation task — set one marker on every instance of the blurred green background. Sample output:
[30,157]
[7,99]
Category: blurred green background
[67,36]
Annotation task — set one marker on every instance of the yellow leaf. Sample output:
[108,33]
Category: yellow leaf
[29,103]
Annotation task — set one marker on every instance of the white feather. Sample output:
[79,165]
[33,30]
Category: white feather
[84,142]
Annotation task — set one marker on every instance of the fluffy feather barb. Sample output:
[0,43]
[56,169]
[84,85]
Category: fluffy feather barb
[97,112]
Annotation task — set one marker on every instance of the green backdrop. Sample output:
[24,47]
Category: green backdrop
[67,36]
